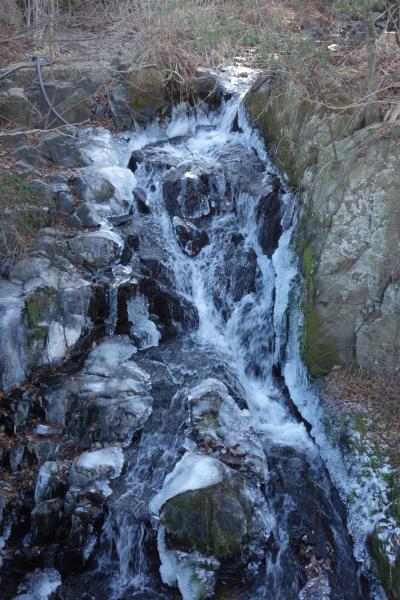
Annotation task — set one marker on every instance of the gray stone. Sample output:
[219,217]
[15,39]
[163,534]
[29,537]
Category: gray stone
[88,216]
[96,249]
[40,190]
[73,221]
[65,202]
[29,268]
[15,107]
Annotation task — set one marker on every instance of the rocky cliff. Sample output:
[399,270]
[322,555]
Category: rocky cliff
[349,232]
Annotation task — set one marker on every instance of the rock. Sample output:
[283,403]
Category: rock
[15,107]
[268,213]
[46,482]
[65,202]
[73,221]
[88,216]
[189,236]
[29,268]
[40,190]
[60,150]
[218,424]
[119,107]
[99,464]
[204,507]
[146,94]
[193,190]
[46,517]
[109,190]
[95,249]
[208,87]
[113,395]
[153,157]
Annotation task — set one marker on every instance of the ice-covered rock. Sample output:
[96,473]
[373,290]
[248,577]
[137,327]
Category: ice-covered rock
[39,585]
[217,423]
[13,336]
[109,189]
[192,573]
[113,393]
[106,463]
[46,481]
[96,248]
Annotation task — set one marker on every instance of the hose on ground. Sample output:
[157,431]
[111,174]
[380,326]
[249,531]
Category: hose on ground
[38,61]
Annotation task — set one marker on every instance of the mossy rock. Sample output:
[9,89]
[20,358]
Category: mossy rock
[147,93]
[212,521]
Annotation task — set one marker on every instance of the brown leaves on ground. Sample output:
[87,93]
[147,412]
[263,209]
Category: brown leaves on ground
[375,396]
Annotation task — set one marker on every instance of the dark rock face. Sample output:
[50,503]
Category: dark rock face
[268,211]
[236,273]
[193,191]
[190,237]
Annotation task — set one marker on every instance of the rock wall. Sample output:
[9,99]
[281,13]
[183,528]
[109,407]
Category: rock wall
[349,231]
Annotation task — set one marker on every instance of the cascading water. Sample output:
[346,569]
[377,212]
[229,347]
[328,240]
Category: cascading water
[223,232]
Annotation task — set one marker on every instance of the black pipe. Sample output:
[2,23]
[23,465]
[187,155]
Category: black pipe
[38,60]
[13,71]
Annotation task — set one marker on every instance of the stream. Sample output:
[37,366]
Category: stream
[209,325]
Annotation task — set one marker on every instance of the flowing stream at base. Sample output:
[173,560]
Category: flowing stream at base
[241,284]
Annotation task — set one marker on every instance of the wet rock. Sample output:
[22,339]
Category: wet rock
[95,249]
[190,237]
[268,213]
[193,190]
[176,314]
[47,483]
[208,87]
[204,507]
[46,517]
[218,424]
[108,189]
[142,201]
[236,272]
[244,170]
[99,464]
[154,157]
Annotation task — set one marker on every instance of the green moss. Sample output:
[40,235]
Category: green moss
[388,574]
[307,263]
[146,90]
[208,520]
[318,354]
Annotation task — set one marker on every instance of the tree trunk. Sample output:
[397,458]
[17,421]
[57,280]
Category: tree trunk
[371,108]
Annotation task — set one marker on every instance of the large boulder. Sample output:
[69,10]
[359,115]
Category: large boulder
[204,506]
[95,249]
[218,424]
[113,395]
[107,189]
[194,190]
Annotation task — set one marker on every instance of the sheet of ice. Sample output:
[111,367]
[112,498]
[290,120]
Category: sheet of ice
[109,353]
[39,585]
[193,472]
[13,343]
[192,573]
